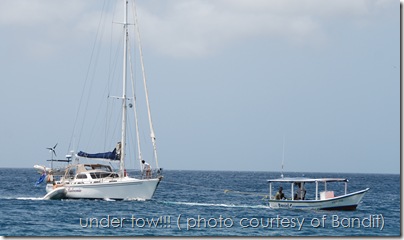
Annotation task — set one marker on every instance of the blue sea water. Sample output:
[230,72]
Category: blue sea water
[194,203]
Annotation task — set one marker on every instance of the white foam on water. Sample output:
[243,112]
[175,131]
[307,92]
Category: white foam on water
[29,198]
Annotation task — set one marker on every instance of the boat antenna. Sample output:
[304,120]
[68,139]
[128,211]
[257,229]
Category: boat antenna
[283,156]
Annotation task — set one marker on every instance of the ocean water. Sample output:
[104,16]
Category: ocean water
[194,203]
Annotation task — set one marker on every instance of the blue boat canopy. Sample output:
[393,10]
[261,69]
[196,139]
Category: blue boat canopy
[114,155]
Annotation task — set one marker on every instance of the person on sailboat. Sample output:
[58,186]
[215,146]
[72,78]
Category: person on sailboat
[147,169]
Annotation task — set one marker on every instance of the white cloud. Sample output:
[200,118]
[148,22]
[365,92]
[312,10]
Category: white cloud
[43,27]
[202,27]
[186,27]
[46,13]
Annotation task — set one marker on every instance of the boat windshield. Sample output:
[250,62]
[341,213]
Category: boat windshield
[95,175]
[100,167]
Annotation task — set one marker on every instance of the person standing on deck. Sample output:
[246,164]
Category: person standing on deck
[147,169]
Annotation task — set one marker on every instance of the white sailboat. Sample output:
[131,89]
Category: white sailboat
[100,181]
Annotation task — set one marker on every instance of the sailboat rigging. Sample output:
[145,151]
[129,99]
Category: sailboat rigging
[100,181]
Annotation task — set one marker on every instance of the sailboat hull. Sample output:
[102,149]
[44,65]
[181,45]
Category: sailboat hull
[121,189]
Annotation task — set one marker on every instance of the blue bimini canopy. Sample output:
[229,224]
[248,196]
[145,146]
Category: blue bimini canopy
[107,155]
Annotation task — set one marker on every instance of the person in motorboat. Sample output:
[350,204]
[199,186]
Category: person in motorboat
[301,192]
[280,195]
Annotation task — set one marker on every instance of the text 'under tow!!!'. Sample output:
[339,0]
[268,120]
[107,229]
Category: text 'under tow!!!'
[121,222]
[186,223]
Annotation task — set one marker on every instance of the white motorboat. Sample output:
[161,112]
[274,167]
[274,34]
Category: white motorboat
[324,200]
[101,181]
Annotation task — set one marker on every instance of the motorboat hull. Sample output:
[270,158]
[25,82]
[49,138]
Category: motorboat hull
[346,202]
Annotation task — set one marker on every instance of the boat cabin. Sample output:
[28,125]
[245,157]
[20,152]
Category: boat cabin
[89,173]
[298,190]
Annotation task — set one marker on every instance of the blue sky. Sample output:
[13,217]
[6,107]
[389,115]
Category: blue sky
[228,81]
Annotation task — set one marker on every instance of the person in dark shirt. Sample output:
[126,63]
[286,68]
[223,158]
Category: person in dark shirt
[279,195]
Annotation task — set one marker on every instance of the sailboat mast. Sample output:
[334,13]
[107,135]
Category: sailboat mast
[124,75]
[152,134]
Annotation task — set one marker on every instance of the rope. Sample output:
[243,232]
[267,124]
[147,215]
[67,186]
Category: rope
[224,190]
[246,193]
[188,185]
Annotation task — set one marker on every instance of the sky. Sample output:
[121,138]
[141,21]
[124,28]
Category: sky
[234,85]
